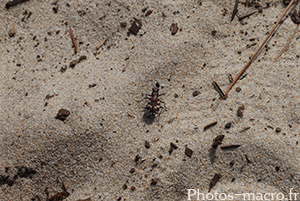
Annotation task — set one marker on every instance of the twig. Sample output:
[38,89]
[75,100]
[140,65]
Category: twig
[246,15]
[74,41]
[261,46]
[14,3]
[218,89]
[235,9]
[101,44]
[287,44]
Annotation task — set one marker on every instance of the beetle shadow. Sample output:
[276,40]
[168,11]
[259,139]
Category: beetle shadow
[149,117]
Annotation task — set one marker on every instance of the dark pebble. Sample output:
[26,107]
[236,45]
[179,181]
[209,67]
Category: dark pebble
[196,93]
[137,158]
[238,89]
[62,114]
[55,9]
[123,24]
[132,188]
[188,152]
[135,26]
[295,16]
[92,85]
[147,144]
[239,113]
[12,32]
[132,170]
[73,63]
[154,181]
[217,141]
[278,130]
[228,125]
[176,95]
[149,12]
[174,28]
[172,147]
[213,33]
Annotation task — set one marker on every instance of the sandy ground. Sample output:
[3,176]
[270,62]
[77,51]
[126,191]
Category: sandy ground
[99,151]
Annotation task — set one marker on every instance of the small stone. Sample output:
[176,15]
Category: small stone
[228,125]
[135,26]
[132,170]
[172,147]
[132,188]
[242,107]
[137,158]
[92,85]
[12,32]
[149,12]
[196,93]
[124,187]
[147,144]
[217,141]
[238,89]
[176,95]
[154,181]
[239,113]
[278,130]
[73,63]
[123,24]
[213,33]
[62,114]
[174,28]
[188,152]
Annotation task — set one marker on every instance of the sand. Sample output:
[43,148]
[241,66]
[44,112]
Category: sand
[99,150]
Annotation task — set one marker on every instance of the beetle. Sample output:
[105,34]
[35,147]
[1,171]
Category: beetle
[154,102]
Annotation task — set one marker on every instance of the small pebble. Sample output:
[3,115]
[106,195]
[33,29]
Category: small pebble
[137,158]
[196,93]
[174,28]
[147,144]
[278,130]
[73,63]
[238,89]
[213,32]
[132,170]
[217,141]
[228,125]
[188,152]
[176,95]
[239,113]
[62,114]
[132,188]
[154,181]
[135,26]
[149,12]
[123,24]
[172,147]
[12,32]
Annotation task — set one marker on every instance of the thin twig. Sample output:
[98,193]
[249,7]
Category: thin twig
[74,41]
[235,9]
[246,15]
[101,44]
[287,44]
[261,46]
